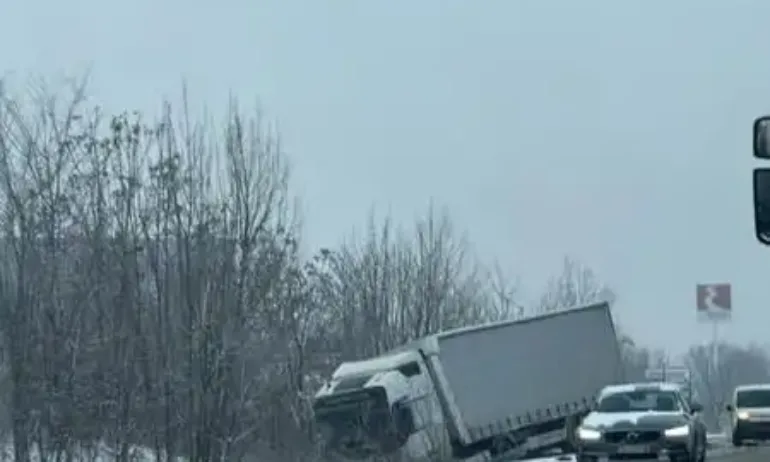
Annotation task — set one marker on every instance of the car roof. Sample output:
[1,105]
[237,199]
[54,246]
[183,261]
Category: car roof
[640,386]
[752,386]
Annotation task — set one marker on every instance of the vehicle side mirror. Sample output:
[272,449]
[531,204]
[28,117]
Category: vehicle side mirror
[729,407]
[762,204]
[695,407]
[762,137]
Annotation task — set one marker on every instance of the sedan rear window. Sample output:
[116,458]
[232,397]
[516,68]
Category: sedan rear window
[639,401]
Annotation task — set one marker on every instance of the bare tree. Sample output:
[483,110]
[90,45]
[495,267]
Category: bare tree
[715,381]
[153,291]
[39,151]
[145,289]
[578,285]
[504,296]
[575,285]
[397,286]
[636,359]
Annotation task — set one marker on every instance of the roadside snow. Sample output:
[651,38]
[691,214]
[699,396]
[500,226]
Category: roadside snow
[559,458]
[98,453]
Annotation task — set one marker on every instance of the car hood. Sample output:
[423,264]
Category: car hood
[644,420]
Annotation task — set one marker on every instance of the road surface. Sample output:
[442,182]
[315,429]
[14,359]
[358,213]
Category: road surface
[750,454]
[718,454]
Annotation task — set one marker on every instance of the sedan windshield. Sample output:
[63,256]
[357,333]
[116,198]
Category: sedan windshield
[640,401]
[753,398]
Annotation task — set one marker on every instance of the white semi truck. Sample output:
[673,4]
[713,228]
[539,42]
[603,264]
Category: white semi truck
[500,390]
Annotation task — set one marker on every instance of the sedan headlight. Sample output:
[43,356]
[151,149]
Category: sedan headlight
[684,430]
[588,434]
[743,415]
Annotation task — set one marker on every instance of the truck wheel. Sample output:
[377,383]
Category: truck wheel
[737,440]
[501,445]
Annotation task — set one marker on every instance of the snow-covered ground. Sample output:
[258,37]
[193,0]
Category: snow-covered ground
[559,458]
[103,453]
[98,453]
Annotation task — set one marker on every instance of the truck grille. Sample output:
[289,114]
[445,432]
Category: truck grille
[631,437]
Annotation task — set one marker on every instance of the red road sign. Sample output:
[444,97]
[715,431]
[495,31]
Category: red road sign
[714,301]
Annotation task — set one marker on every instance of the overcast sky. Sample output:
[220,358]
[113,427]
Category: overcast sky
[616,132]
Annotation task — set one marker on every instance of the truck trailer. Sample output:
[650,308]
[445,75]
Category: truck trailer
[478,393]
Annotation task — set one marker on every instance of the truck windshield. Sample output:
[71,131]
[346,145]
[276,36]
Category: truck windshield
[753,398]
[639,401]
[356,424]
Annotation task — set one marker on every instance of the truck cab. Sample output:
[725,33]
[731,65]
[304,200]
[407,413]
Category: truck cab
[382,406]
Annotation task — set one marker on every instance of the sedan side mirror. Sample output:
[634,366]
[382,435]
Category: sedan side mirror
[695,407]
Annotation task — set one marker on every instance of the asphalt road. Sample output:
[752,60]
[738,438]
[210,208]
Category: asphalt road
[749,454]
[717,454]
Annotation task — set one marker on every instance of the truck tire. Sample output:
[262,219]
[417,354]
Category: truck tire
[737,440]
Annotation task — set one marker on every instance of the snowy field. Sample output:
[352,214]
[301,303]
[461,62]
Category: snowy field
[98,453]
[561,458]
[103,453]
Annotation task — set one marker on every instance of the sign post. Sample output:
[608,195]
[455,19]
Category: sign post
[667,373]
[714,302]
[714,305]
[672,374]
